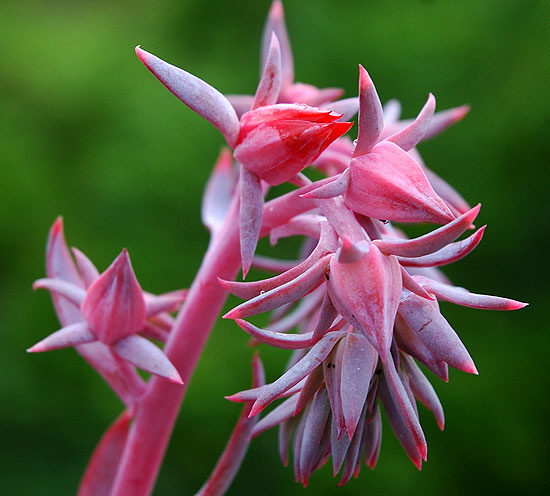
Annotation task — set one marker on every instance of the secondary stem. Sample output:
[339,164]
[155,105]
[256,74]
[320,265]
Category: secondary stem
[157,410]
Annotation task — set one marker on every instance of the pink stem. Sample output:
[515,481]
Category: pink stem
[158,408]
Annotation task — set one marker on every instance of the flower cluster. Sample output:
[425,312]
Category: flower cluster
[365,299]
[359,309]
[107,317]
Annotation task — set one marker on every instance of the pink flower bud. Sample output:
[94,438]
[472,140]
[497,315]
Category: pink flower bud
[114,305]
[277,141]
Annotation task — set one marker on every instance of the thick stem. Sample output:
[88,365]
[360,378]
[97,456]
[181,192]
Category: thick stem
[158,409]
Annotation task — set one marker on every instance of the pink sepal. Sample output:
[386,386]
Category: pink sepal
[431,242]
[446,255]
[218,192]
[297,372]
[248,290]
[250,216]
[196,94]
[87,269]
[335,188]
[235,450]
[275,24]
[282,412]
[270,82]
[409,282]
[371,116]
[70,335]
[73,293]
[145,355]
[463,297]
[278,339]
[411,135]
[278,296]
[444,119]
[290,291]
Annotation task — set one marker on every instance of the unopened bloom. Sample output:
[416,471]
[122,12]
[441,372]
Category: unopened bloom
[109,308]
[277,142]
[364,319]
[273,142]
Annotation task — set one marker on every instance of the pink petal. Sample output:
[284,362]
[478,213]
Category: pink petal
[314,428]
[351,252]
[100,474]
[332,373]
[424,318]
[354,451]
[358,365]
[339,446]
[70,335]
[270,83]
[401,414]
[373,437]
[145,355]
[371,116]
[423,390]
[409,341]
[196,94]
[411,135]
[114,305]
[431,242]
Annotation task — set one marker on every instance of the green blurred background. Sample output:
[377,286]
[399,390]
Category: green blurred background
[88,133]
